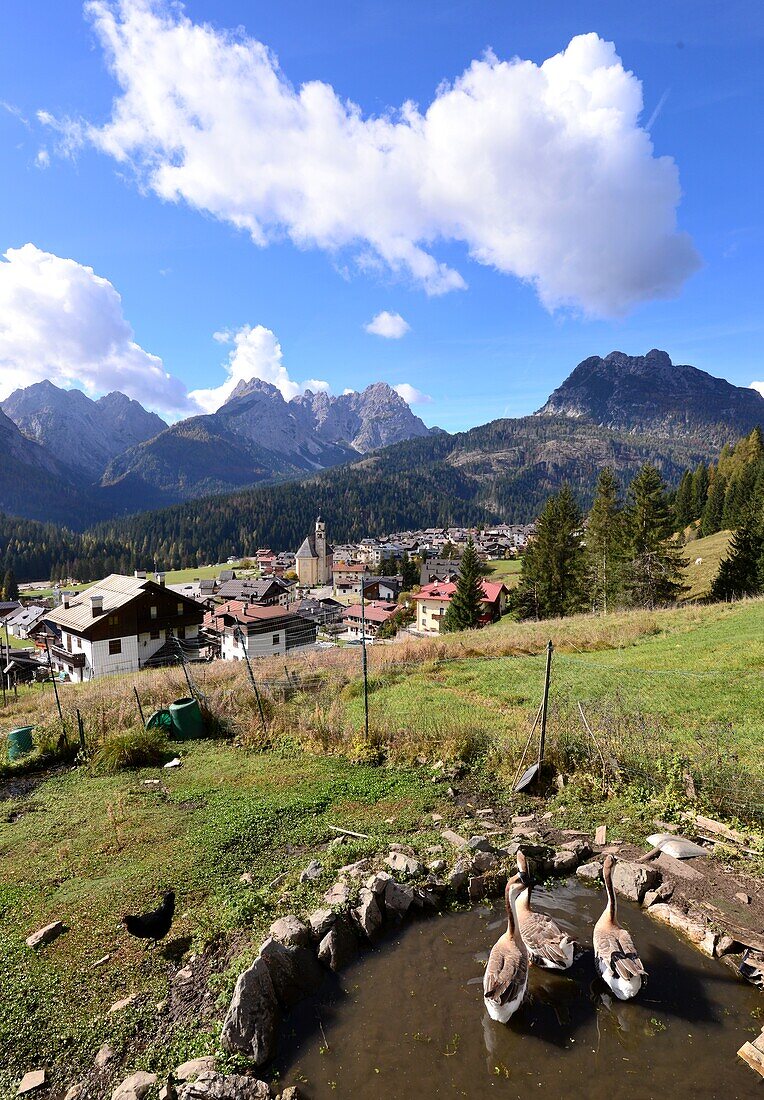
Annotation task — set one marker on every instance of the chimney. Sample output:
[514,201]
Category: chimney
[96,605]
[66,601]
[140,574]
[160,579]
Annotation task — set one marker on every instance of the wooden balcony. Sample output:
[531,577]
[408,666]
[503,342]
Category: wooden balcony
[63,656]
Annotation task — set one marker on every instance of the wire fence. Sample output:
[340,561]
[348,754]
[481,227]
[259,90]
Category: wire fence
[696,731]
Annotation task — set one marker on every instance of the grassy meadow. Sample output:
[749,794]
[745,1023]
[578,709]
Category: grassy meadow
[666,693]
[700,575]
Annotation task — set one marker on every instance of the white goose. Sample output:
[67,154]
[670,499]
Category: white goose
[506,975]
[547,945]
[615,955]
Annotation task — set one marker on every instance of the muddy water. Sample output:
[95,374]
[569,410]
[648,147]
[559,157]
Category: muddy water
[408,1020]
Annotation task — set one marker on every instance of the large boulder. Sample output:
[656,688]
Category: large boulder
[398,898]
[290,931]
[320,923]
[216,1086]
[46,935]
[339,946]
[295,972]
[367,915]
[252,1022]
[135,1087]
[404,864]
[195,1067]
[633,880]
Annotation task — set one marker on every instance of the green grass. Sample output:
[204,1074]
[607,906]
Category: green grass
[173,576]
[15,643]
[90,848]
[711,549]
[508,571]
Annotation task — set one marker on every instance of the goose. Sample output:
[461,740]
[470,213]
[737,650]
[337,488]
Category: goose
[615,955]
[547,945]
[506,975]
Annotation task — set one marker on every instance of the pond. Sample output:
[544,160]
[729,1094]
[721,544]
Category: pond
[408,1019]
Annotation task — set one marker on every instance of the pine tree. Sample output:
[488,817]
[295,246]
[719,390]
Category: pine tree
[699,490]
[740,573]
[711,520]
[552,581]
[683,503]
[10,587]
[655,560]
[606,544]
[466,606]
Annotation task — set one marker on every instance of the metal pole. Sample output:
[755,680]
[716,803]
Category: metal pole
[140,708]
[81,731]
[363,651]
[545,704]
[55,685]
[252,680]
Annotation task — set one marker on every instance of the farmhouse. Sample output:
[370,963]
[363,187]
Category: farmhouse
[347,578]
[23,622]
[432,602]
[118,625]
[264,631]
[267,592]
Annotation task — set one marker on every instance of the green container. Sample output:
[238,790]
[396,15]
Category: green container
[187,720]
[19,742]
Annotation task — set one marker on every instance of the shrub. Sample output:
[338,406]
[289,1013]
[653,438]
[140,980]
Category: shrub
[133,748]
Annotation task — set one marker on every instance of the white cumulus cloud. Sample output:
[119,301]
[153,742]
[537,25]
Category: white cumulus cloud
[758,386]
[61,321]
[390,325]
[255,353]
[542,171]
[411,395]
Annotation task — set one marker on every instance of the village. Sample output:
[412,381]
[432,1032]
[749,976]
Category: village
[376,591]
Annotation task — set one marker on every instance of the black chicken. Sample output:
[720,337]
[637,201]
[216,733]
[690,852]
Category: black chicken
[154,925]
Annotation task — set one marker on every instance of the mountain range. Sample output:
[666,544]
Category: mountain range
[618,410]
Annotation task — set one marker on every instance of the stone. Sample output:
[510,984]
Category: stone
[479,844]
[135,1087]
[338,896]
[398,898]
[290,931]
[126,1002]
[726,945]
[247,879]
[43,936]
[76,1091]
[320,923]
[695,930]
[437,818]
[454,838]
[367,915]
[216,1086]
[484,861]
[195,1067]
[522,820]
[564,863]
[438,866]
[337,842]
[311,872]
[744,899]
[295,972]
[708,944]
[633,880]
[162,1007]
[405,865]
[291,1093]
[104,1056]
[662,893]
[460,872]
[590,872]
[582,848]
[356,870]
[184,975]
[434,850]
[483,886]
[252,1022]
[660,911]
[338,947]
[670,865]
[35,1079]
[378,882]
[600,835]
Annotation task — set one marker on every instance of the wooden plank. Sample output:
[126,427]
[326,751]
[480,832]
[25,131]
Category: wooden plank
[712,826]
[752,1057]
[600,836]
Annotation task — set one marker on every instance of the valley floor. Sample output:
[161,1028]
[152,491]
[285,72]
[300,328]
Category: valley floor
[667,694]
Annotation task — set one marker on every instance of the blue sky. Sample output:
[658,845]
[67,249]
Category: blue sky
[77,189]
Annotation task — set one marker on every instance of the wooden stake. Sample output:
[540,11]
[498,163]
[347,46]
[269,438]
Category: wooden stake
[545,704]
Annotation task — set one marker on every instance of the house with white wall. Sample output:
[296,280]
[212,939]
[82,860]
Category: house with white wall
[432,602]
[118,625]
[257,631]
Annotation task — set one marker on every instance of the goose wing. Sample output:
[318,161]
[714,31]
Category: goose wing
[616,949]
[544,938]
[506,973]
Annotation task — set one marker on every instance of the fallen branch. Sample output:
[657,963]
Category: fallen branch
[347,832]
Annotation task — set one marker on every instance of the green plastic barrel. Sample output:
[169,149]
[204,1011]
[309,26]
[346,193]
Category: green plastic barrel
[160,720]
[187,720]
[20,742]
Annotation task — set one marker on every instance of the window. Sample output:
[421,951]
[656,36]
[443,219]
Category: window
[79,643]
[153,612]
[276,639]
[115,646]
[181,631]
[154,634]
[113,620]
[180,608]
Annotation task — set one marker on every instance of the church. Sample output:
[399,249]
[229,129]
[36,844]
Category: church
[314,559]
